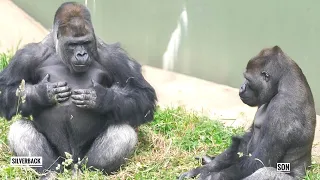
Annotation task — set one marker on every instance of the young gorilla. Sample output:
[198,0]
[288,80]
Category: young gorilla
[85,97]
[283,127]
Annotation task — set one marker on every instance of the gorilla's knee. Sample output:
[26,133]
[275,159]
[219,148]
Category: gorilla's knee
[110,150]
[25,140]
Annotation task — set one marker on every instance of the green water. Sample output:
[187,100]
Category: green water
[221,36]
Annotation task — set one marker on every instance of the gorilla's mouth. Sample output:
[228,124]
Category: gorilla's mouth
[245,99]
[80,65]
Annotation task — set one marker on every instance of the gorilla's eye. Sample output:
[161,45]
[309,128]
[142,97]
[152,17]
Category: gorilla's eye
[86,42]
[72,45]
[265,75]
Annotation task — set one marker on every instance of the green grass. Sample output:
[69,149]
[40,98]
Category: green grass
[4,60]
[314,172]
[167,147]
[6,57]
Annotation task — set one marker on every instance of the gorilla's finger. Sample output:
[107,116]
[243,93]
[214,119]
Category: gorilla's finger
[59,84]
[82,91]
[77,97]
[45,79]
[79,102]
[184,175]
[205,159]
[61,89]
[62,99]
[65,94]
[86,96]
[192,173]
[82,106]
[82,97]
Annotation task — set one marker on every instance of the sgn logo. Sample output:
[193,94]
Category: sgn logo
[283,167]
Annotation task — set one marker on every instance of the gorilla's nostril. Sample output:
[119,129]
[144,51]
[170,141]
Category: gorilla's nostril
[82,57]
[81,54]
[242,88]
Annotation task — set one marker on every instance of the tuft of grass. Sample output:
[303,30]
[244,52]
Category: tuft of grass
[5,59]
[191,131]
[314,172]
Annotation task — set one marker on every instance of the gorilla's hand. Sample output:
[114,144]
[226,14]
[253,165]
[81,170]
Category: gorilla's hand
[50,93]
[205,159]
[89,98]
[211,176]
[205,172]
[192,173]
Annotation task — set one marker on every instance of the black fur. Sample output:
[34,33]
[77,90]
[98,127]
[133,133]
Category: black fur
[283,128]
[81,93]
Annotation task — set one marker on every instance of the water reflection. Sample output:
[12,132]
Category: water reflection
[171,54]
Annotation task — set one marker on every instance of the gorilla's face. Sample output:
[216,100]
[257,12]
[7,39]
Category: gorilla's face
[261,77]
[77,52]
[253,88]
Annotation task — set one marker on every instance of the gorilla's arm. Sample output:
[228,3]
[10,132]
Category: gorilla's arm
[266,154]
[230,156]
[269,150]
[131,98]
[224,160]
[34,94]
[20,67]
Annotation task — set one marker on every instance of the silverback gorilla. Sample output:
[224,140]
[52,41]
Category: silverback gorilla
[283,128]
[85,96]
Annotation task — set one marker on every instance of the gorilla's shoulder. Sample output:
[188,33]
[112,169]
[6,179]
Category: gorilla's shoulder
[32,53]
[114,55]
[35,47]
[110,49]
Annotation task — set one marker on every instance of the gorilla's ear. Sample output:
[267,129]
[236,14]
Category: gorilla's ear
[276,50]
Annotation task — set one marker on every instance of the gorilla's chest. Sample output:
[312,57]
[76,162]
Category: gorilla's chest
[71,123]
[260,117]
[259,120]
[59,73]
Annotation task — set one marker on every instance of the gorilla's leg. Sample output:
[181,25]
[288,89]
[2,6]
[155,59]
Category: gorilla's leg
[25,140]
[109,151]
[269,173]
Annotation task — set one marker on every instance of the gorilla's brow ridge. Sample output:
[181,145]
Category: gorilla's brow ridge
[75,28]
